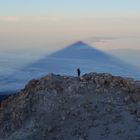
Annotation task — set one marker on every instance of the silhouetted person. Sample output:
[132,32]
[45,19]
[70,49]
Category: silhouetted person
[78,72]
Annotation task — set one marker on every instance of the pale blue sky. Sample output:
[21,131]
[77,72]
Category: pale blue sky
[42,26]
[67,7]
[53,24]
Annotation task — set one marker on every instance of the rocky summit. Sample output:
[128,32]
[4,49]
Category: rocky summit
[96,106]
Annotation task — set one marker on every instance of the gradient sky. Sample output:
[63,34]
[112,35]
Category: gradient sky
[31,29]
[68,7]
[51,24]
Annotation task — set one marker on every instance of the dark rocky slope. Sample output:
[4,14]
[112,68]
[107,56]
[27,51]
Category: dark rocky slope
[96,106]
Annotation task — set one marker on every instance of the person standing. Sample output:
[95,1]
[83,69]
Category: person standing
[78,72]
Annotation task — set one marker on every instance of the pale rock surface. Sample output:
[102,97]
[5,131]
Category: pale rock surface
[54,107]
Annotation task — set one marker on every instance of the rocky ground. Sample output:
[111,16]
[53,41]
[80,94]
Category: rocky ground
[94,107]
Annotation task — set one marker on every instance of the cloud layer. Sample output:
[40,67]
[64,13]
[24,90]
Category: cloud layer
[15,19]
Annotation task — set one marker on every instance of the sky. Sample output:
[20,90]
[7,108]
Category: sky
[32,29]
[46,25]
[68,7]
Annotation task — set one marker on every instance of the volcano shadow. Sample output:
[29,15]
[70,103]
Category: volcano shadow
[67,60]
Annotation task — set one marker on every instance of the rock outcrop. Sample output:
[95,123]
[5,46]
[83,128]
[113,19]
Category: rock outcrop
[60,107]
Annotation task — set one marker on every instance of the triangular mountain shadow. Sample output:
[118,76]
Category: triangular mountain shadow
[67,60]
[79,50]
